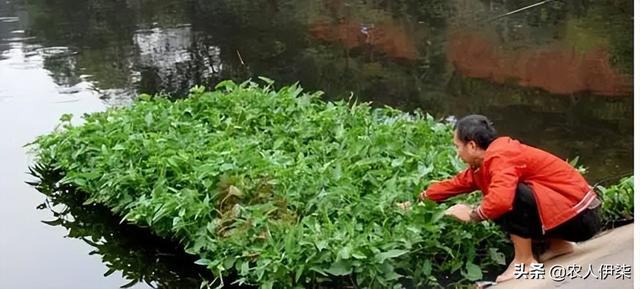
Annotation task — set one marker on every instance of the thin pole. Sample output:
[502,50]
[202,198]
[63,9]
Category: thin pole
[520,10]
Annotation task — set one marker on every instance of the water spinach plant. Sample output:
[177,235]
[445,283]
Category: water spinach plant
[617,202]
[277,188]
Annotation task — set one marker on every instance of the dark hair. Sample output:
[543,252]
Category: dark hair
[476,128]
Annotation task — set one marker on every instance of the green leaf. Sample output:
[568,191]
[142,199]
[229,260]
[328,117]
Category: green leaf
[358,255]
[344,253]
[321,245]
[244,268]
[267,80]
[66,117]
[228,262]
[109,272]
[472,272]
[426,268]
[228,85]
[390,273]
[397,162]
[130,284]
[148,119]
[54,223]
[226,167]
[266,285]
[437,216]
[340,268]
[318,270]
[496,256]
[299,272]
[391,254]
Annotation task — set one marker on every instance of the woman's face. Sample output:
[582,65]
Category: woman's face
[466,151]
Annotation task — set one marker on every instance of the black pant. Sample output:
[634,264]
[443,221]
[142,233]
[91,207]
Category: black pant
[523,220]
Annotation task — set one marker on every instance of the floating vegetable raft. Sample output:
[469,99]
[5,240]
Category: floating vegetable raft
[278,188]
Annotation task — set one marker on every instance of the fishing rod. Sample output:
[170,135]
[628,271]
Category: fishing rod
[518,10]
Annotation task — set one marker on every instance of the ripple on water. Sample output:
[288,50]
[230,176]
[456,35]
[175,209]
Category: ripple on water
[33,55]
[69,89]
[9,19]
[55,51]
[18,39]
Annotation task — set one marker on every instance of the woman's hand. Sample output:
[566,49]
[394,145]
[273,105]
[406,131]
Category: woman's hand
[461,212]
[423,196]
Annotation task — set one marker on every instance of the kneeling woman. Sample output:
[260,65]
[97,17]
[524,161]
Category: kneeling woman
[530,193]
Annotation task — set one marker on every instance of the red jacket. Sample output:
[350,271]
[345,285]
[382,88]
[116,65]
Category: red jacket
[559,189]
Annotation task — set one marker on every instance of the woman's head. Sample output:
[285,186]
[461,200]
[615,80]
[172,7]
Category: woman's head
[472,136]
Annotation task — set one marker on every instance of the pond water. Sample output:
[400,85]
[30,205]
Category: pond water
[557,76]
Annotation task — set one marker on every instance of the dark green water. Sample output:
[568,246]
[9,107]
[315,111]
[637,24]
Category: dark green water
[557,76]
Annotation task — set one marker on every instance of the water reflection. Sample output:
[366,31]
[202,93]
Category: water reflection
[134,251]
[171,60]
[382,51]
[562,51]
[595,128]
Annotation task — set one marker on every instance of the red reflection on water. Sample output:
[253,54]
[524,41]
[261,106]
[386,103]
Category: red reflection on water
[386,37]
[557,69]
